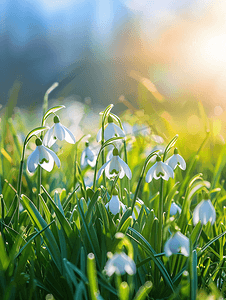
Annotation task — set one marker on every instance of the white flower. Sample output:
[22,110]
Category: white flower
[174,208]
[58,131]
[178,242]
[88,157]
[42,156]
[176,160]
[111,130]
[204,212]
[120,263]
[115,166]
[115,204]
[159,169]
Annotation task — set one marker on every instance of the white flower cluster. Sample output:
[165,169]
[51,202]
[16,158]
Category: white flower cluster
[42,155]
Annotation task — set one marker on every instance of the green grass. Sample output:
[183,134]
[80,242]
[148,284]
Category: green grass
[55,245]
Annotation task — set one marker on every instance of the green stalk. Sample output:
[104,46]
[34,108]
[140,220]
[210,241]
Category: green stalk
[102,154]
[19,184]
[160,216]
[141,178]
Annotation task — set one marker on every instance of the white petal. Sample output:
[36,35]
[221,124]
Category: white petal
[167,248]
[54,156]
[114,165]
[83,160]
[119,131]
[102,169]
[168,170]
[48,166]
[69,137]
[182,163]
[43,154]
[33,160]
[109,132]
[59,131]
[196,214]
[99,135]
[90,154]
[49,139]
[114,205]
[172,161]
[150,173]
[125,168]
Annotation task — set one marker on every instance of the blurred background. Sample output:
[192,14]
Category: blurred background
[114,51]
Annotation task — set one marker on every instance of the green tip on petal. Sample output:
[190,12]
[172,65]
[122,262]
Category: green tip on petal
[87,144]
[110,119]
[115,152]
[38,142]
[175,151]
[56,119]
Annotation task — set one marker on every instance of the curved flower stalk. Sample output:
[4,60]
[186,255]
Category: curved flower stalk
[174,209]
[88,157]
[204,212]
[115,204]
[159,170]
[58,131]
[176,160]
[110,131]
[177,243]
[42,156]
[120,263]
[115,166]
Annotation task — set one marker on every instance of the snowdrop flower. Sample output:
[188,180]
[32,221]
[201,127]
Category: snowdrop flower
[176,160]
[159,169]
[88,157]
[42,156]
[174,208]
[177,242]
[204,212]
[112,130]
[115,166]
[120,263]
[115,204]
[58,131]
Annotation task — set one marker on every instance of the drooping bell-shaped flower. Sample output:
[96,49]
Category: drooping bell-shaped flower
[176,160]
[120,263]
[159,169]
[114,205]
[88,157]
[42,156]
[174,209]
[110,131]
[115,166]
[178,243]
[58,131]
[204,212]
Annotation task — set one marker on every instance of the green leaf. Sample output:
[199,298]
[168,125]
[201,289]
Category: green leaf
[143,291]
[63,221]
[47,236]
[148,248]
[4,259]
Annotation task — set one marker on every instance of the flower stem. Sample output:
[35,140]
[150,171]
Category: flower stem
[19,184]
[160,216]
[102,154]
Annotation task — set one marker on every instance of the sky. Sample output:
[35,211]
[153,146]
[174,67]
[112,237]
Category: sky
[178,45]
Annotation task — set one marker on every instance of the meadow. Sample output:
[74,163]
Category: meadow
[133,208]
